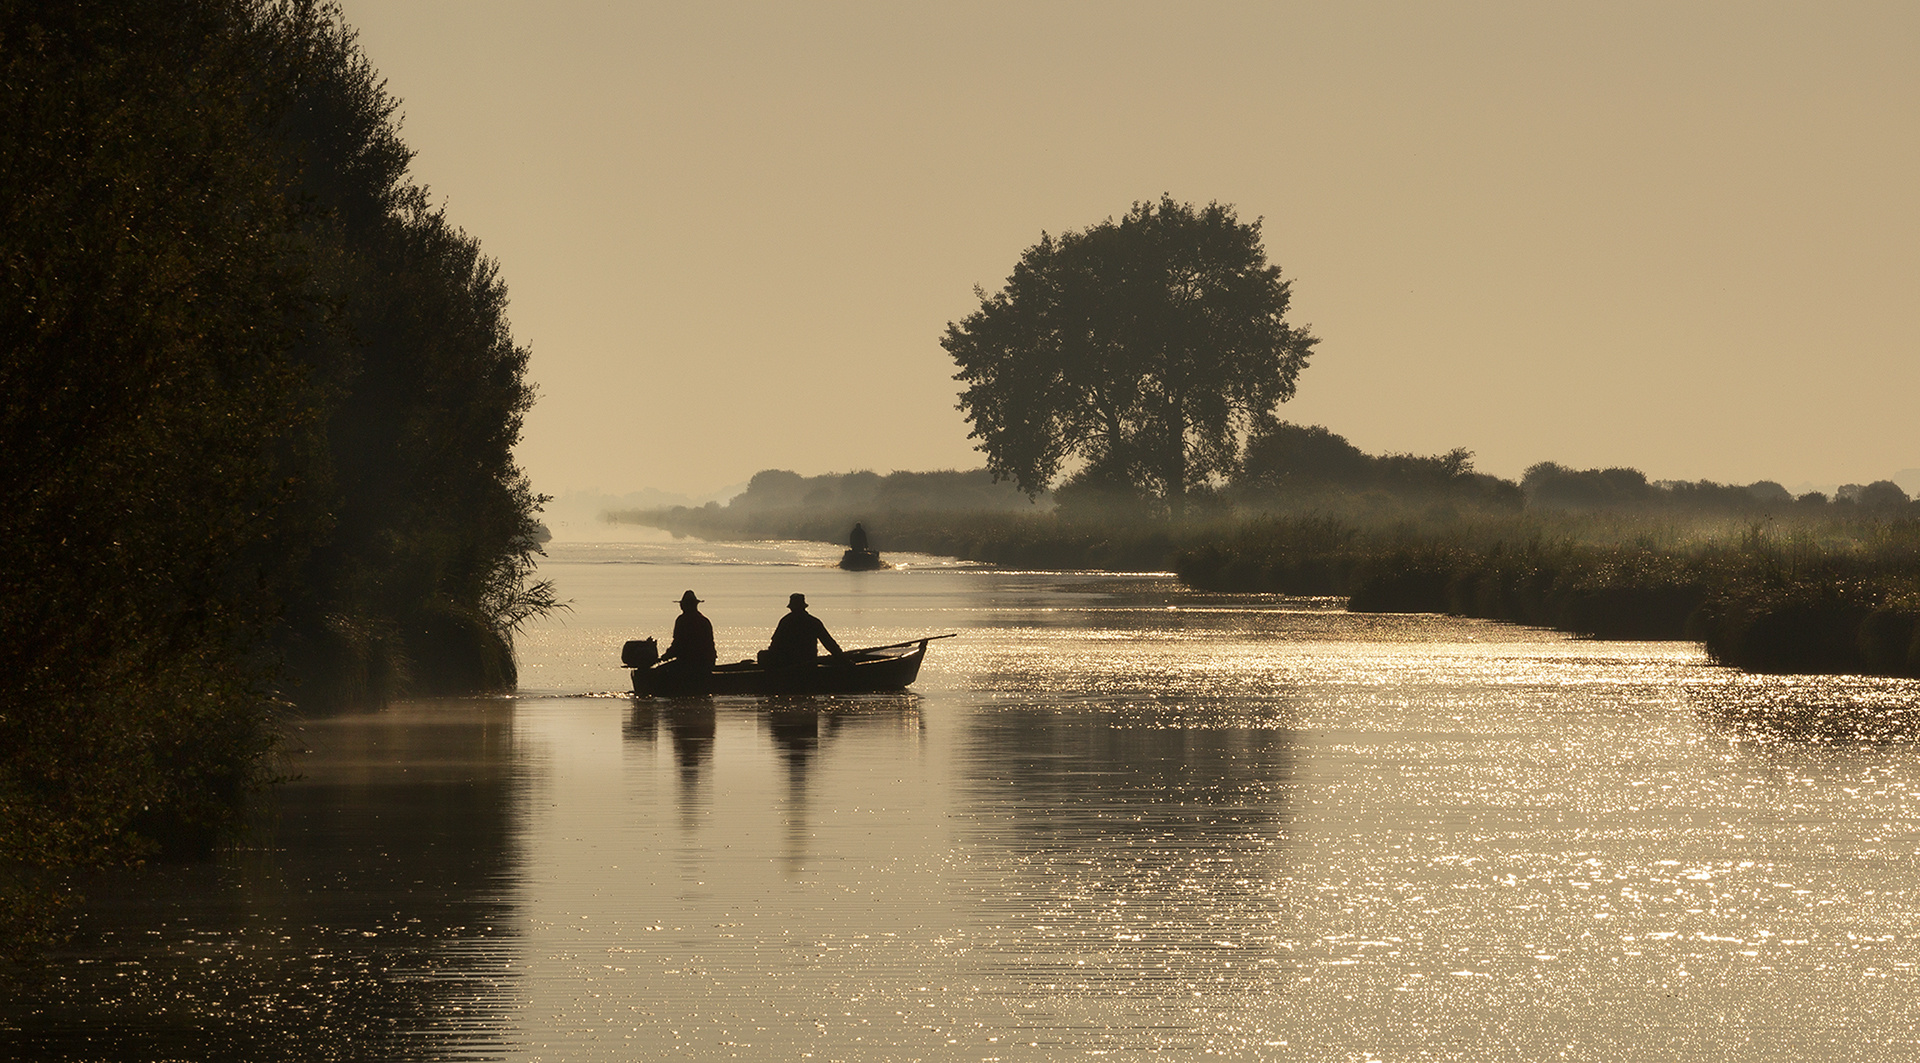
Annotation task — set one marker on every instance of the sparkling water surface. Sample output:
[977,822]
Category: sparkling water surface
[1114,819]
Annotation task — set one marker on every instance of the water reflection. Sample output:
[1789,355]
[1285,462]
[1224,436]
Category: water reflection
[1127,859]
[364,921]
[1824,710]
[799,729]
[1117,819]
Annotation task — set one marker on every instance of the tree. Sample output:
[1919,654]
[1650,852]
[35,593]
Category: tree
[1145,348]
[257,406]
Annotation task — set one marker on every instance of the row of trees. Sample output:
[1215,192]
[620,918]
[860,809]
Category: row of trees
[1285,468]
[1555,486]
[1137,365]
[257,401]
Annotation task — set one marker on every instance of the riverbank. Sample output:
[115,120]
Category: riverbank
[1825,596]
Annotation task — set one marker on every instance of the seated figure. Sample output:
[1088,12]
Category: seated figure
[692,652]
[796,638]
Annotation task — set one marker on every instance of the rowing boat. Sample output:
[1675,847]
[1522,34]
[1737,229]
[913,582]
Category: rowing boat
[873,670]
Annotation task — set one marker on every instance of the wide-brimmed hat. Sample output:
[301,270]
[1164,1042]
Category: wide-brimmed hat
[688,597]
[796,601]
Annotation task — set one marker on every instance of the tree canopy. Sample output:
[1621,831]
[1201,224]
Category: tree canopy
[257,399]
[1144,349]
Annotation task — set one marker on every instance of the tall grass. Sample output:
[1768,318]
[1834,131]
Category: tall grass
[1836,593]
[1827,596]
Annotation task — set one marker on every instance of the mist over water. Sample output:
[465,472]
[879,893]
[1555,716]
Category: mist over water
[1114,817]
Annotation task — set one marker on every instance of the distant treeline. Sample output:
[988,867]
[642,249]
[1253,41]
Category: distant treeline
[1768,581]
[257,405]
[1285,469]
[1290,468]
[775,499]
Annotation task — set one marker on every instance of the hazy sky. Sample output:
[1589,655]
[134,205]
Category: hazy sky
[1679,236]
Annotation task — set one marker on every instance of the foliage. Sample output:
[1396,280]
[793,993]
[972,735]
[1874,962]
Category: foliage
[1842,595]
[258,403]
[1550,486]
[1289,467]
[426,568]
[150,410]
[1146,349]
[857,494]
[1882,495]
[1806,588]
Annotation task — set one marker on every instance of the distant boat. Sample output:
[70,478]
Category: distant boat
[873,670]
[862,561]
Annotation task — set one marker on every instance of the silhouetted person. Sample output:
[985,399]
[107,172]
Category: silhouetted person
[858,540]
[796,636]
[691,651]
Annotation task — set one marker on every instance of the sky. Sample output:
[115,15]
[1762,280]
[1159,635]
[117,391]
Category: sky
[1683,237]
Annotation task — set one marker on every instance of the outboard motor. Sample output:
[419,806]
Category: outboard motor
[640,653]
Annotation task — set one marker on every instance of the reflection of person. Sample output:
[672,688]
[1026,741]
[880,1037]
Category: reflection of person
[690,723]
[795,637]
[692,650]
[858,540]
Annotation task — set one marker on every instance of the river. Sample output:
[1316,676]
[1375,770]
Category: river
[1115,819]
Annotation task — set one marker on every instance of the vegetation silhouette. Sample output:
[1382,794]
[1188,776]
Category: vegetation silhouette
[259,404]
[1300,468]
[1146,349]
[1768,582]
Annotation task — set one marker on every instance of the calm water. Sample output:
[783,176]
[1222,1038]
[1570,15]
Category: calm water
[1115,819]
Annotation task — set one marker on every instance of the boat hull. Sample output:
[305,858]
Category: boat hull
[858,675]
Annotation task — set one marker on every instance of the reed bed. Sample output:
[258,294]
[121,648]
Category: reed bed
[1816,594]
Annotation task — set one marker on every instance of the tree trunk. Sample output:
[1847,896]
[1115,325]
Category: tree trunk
[1176,470]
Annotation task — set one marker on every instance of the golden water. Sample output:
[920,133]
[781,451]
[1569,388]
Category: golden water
[1116,819]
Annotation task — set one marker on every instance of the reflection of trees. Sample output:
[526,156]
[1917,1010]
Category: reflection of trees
[366,921]
[1126,853]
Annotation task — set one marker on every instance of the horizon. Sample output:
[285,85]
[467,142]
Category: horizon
[1907,479]
[1674,239]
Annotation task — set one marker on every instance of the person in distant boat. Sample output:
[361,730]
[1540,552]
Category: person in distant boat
[692,651]
[796,636]
[857,542]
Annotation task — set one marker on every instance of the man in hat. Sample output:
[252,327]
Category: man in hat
[796,636]
[692,648]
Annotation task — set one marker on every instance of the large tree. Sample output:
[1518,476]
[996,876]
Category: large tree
[257,408]
[1145,349]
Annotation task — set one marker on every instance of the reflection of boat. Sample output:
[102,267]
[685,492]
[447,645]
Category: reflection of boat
[862,561]
[869,671]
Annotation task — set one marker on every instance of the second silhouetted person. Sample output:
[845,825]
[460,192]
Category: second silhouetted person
[796,637]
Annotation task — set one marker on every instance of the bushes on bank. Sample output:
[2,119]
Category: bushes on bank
[1755,603]
[257,405]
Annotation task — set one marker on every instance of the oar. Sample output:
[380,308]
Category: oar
[897,645]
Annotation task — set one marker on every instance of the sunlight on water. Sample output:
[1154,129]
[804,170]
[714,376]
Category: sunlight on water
[1115,819]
